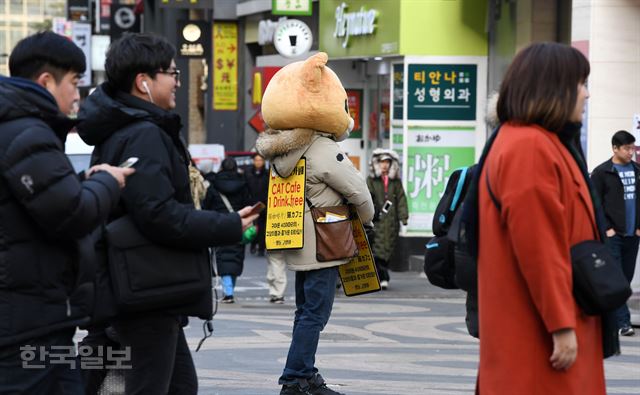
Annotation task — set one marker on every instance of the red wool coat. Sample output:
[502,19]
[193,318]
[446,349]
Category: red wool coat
[524,268]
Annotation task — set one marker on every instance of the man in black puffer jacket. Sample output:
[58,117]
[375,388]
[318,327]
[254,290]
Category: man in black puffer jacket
[228,192]
[130,116]
[47,213]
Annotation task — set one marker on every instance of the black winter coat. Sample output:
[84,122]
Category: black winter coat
[229,259]
[609,188]
[258,183]
[46,216]
[157,197]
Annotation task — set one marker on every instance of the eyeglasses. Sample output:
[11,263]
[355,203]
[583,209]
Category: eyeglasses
[175,73]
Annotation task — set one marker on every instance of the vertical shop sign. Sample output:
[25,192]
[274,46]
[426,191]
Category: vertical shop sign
[442,92]
[291,7]
[81,36]
[354,101]
[398,88]
[433,154]
[225,66]
[285,209]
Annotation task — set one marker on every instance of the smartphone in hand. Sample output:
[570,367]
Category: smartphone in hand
[386,206]
[257,208]
[129,162]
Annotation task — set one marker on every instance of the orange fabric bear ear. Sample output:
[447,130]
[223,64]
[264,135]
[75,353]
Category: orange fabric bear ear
[312,71]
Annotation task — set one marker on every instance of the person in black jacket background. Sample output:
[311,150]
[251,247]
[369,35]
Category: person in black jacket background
[47,213]
[257,177]
[228,184]
[130,116]
[616,182]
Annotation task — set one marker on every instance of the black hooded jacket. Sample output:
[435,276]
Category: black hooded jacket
[229,259]
[46,216]
[157,196]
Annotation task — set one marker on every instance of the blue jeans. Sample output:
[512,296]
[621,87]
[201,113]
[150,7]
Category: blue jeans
[58,379]
[315,291]
[228,284]
[625,250]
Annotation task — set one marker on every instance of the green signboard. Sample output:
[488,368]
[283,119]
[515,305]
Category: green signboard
[433,154]
[359,27]
[442,92]
[291,7]
[398,88]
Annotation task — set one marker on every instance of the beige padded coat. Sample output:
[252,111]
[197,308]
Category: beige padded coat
[330,177]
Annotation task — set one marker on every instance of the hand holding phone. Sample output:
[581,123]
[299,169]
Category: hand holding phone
[256,208]
[129,162]
[386,206]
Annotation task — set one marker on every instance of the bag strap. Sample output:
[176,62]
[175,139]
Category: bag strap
[225,200]
[458,193]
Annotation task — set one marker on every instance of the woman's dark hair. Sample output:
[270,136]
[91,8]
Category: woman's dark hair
[46,52]
[229,164]
[622,137]
[541,85]
[135,53]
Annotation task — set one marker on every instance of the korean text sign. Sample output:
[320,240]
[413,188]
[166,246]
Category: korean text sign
[442,92]
[225,66]
[285,209]
[359,276]
[433,154]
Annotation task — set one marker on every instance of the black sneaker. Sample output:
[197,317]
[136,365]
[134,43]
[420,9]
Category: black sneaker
[276,300]
[627,331]
[317,386]
[228,299]
[294,389]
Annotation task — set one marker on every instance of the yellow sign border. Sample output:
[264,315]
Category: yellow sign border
[304,195]
[357,223]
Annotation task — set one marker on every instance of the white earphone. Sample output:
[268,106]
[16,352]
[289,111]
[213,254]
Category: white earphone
[146,88]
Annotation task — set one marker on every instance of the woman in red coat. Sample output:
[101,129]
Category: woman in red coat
[534,339]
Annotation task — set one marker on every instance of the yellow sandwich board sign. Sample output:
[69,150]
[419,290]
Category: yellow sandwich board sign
[359,276]
[285,209]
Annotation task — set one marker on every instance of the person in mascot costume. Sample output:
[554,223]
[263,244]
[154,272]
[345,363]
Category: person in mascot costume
[305,108]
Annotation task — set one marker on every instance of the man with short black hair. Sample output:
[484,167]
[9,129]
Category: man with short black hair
[47,213]
[616,182]
[130,115]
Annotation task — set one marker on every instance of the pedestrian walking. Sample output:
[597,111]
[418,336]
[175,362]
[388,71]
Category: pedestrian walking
[534,339]
[228,192]
[390,203]
[257,176]
[308,123]
[48,214]
[615,182]
[130,115]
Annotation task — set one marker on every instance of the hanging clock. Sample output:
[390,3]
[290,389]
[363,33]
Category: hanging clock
[292,38]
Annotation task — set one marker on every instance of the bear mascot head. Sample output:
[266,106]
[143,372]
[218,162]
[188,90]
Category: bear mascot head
[306,95]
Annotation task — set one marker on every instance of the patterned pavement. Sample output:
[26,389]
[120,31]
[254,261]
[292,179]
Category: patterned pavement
[409,340]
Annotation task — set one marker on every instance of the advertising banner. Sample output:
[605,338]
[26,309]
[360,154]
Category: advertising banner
[442,92]
[433,154]
[398,89]
[359,276]
[354,100]
[285,209]
[225,66]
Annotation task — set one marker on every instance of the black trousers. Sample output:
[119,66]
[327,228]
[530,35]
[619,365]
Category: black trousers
[30,370]
[160,358]
[382,266]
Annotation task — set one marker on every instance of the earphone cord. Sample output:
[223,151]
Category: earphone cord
[207,326]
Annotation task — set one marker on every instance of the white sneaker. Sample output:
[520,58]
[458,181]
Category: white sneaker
[384,284]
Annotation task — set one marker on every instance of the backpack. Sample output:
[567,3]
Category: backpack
[439,261]
[451,255]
